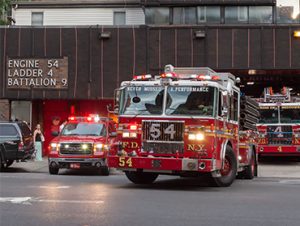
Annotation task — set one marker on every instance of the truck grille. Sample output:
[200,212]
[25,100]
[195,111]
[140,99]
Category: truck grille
[163,137]
[75,149]
[171,131]
[163,148]
[279,135]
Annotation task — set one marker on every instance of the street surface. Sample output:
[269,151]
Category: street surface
[30,196]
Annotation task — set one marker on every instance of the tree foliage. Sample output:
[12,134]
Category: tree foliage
[4,8]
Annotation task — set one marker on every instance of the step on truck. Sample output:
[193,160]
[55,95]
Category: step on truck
[279,124]
[184,122]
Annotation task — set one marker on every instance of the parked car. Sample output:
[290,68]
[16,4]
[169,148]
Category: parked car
[16,143]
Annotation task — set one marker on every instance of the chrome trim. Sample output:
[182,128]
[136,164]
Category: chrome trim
[162,141]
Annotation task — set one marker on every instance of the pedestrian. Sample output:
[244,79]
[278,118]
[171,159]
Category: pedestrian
[38,139]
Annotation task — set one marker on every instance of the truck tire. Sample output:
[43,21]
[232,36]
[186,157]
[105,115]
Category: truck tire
[53,170]
[9,163]
[141,177]
[228,174]
[104,171]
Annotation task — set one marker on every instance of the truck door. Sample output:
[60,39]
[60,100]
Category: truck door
[220,125]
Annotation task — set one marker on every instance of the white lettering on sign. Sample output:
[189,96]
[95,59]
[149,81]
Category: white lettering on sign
[278,131]
[189,89]
[37,73]
[152,89]
[134,88]
[32,82]
[23,63]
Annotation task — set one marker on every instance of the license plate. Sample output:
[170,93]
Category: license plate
[75,165]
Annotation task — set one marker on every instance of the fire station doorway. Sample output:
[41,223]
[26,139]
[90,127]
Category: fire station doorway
[52,113]
[21,111]
[253,82]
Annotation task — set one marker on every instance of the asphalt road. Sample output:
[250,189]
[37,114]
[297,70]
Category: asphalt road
[86,199]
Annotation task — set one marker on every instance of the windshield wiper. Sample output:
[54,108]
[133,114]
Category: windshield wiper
[139,113]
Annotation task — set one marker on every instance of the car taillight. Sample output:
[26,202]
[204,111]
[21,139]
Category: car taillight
[21,145]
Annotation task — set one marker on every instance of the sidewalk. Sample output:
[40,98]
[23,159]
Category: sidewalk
[32,165]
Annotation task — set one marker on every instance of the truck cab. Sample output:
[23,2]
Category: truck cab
[279,124]
[83,143]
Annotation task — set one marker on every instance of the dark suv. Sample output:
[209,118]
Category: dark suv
[16,143]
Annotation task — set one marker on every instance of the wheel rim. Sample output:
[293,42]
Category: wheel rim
[227,167]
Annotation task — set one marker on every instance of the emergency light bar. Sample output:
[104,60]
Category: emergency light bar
[205,77]
[91,118]
[169,75]
[142,77]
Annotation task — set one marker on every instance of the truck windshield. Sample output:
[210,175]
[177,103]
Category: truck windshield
[290,114]
[142,100]
[84,129]
[190,100]
[268,114]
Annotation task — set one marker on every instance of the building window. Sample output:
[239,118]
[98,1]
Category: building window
[119,18]
[184,15]
[288,11]
[157,15]
[236,14]
[37,18]
[260,14]
[209,14]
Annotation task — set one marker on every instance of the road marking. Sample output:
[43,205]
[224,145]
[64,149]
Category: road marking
[30,200]
[17,200]
[293,182]
[50,187]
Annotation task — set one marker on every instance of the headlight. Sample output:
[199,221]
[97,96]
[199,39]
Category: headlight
[200,136]
[125,134]
[197,136]
[129,134]
[262,135]
[54,147]
[100,148]
[192,137]
[84,146]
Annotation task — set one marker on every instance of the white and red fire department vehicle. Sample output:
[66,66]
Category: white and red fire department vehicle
[279,124]
[184,122]
[83,143]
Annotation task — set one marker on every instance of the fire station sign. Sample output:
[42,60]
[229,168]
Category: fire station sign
[27,73]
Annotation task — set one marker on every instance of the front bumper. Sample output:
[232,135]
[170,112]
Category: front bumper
[265,150]
[162,165]
[25,154]
[84,162]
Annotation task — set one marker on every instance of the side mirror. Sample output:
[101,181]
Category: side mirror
[55,133]
[113,134]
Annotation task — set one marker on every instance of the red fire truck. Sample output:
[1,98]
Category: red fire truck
[184,122]
[279,124]
[83,143]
